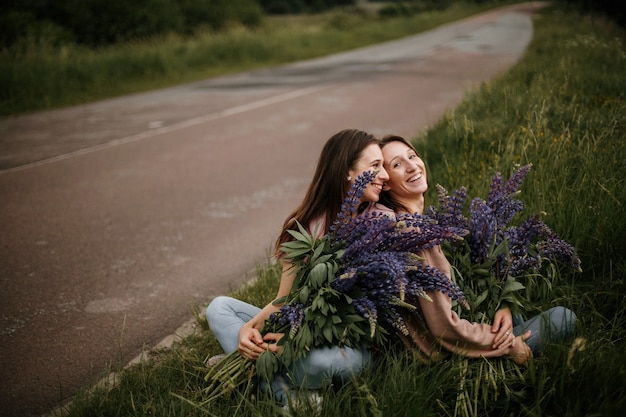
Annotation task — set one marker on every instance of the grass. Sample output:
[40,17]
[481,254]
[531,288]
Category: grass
[562,108]
[37,75]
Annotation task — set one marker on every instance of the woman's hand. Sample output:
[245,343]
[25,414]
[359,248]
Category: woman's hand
[521,352]
[250,343]
[271,340]
[503,327]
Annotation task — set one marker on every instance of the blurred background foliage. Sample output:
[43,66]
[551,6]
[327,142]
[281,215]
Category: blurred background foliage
[103,22]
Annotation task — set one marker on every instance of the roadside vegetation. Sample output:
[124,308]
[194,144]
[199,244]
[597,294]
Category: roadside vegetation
[48,67]
[561,108]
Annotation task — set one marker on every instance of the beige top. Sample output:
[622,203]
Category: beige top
[445,330]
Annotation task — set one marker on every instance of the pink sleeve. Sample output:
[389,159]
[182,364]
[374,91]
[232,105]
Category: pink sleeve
[453,333]
[449,329]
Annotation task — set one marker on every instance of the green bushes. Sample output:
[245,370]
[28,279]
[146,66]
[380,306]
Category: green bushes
[104,22]
[38,73]
[301,6]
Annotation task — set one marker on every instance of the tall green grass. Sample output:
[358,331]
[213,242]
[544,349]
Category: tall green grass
[38,75]
[562,108]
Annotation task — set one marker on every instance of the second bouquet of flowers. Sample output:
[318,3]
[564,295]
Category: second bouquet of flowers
[350,287]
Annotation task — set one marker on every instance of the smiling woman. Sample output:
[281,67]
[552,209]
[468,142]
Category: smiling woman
[442,327]
[238,326]
[407,173]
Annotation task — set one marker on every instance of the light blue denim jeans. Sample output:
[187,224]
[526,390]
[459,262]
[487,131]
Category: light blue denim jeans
[321,366]
[552,326]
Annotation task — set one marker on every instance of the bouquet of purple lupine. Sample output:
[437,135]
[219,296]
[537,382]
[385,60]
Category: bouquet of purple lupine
[352,287]
[500,264]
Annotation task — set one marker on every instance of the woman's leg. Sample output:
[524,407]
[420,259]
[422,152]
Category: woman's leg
[319,367]
[226,315]
[553,325]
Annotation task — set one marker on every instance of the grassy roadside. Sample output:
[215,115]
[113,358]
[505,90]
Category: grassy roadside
[561,108]
[40,76]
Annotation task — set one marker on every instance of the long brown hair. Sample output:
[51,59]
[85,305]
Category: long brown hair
[330,184]
[385,197]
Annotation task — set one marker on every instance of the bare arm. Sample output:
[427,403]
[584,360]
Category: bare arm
[251,342]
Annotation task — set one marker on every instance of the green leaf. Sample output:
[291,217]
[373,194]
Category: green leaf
[280,300]
[300,238]
[318,275]
[327,331]
[303,296]
[306,233]
[511,285]
[296,244]
[318,250]
[482,297]
[267,365]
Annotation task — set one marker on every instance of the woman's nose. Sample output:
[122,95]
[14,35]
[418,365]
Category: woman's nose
[383,174]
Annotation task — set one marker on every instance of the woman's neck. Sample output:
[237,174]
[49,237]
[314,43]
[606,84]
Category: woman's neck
[415,205]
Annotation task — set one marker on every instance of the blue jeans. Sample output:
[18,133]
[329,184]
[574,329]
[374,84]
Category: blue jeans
[551,326]
[320,366]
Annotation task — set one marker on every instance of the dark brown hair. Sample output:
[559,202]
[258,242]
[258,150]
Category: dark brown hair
[329,185]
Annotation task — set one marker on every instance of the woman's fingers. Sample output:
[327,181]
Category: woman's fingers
[504,338]
[521,353]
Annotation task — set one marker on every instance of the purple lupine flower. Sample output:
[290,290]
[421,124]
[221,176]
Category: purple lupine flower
[416,233]
[501,197]
[556,248]
[292,315]
[380,264]
[520,239]
[515,182]
[370,234]
[366,307]
[345,281]
[450,210]
[394,318]
[432,279]
[342,226]
[482,227]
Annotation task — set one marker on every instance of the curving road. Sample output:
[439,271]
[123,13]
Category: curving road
[116,216]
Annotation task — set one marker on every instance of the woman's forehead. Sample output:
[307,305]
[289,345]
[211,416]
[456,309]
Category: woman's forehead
[395,149]
[371,153]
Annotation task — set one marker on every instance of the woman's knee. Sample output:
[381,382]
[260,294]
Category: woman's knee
[216,307]
[563,320]
[337,360]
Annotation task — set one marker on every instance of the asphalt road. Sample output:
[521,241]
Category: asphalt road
[116,216]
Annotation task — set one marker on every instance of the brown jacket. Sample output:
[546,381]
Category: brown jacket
[445,330]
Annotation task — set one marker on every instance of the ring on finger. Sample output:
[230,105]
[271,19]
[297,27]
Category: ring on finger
[507,333]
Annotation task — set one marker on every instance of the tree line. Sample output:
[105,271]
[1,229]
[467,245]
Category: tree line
[103,22]
[97,23]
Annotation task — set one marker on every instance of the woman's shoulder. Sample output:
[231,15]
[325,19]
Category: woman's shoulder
[380,208]
[317,227]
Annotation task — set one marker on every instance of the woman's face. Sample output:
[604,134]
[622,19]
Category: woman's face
[406,170]
[371,160]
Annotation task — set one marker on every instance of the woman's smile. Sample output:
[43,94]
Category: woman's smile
[415,177]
